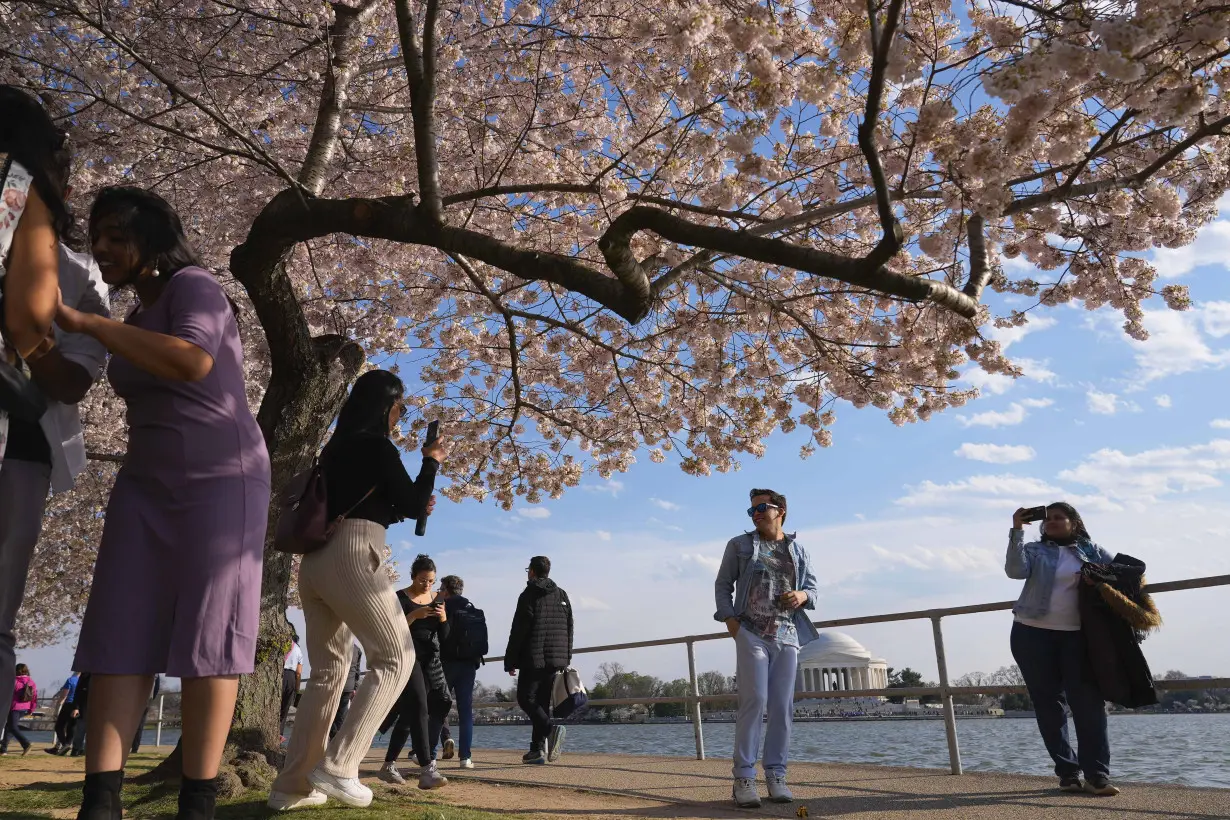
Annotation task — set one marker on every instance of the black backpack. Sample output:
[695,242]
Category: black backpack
[27,694]
[468,635]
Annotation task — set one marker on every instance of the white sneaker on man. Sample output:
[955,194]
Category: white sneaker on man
[744,792]
[465,763]
[346,790]
[430,777]
[389,774]
[283,801]
[778,791]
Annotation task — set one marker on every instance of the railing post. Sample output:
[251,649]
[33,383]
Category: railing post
[950,717]
[158,731]
[697,729]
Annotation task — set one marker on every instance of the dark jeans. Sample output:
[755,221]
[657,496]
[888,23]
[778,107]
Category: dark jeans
[1052,663]
[288,696]
[79,733]
[534,698]
[12,730]
[343,706]
[460,676]
[65,723]
[136,738]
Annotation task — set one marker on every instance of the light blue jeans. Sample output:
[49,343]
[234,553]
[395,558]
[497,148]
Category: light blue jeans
[766,672]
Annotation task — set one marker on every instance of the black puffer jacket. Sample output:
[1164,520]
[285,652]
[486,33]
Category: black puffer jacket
[541,636]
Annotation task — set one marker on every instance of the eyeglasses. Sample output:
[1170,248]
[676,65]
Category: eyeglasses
[760,508]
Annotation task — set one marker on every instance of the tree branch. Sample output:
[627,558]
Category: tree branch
[420,61]
[881,42]
[979,271]
[503,190]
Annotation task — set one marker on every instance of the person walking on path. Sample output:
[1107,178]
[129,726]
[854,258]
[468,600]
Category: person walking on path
[82,701]
[186,520]
[140,733]
[25,701]
[352,683]
[424,702]
[461,652]
[346,593]
[65,715]
[292,677]
[764,586]
[539,645]
[1048,647]
[47,453]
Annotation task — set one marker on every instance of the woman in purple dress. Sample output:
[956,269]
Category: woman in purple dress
[177,584]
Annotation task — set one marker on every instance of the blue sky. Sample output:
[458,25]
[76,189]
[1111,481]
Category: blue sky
[906,518]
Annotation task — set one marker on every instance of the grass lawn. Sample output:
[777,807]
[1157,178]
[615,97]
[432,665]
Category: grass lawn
[42,786]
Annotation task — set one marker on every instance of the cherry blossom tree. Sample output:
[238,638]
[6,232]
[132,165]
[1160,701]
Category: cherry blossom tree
[587,228]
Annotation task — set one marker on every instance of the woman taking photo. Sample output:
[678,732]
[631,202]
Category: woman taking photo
[346,594]
[1048,648]
[424,703]
[186,520]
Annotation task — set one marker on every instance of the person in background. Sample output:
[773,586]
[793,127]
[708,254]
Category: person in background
[352,683]
[187,516]
[292,676]
[424,702]
[462,652]
[1047,644]
[539,645]
[64,710]
[136,738]
[48,453]
[764,586]
[25,701]
[82,701]
[347,594]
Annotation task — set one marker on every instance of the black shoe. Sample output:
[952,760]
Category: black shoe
[1100,785]
[555,746]
[535,757]
[530,755]
[1071,783]
[100,797]
[197,799]
[74,753]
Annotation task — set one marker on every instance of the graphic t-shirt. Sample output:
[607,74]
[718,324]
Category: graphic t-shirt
[773,573]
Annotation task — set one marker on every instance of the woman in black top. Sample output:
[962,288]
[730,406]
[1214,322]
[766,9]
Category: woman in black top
[424,703]
[347,593]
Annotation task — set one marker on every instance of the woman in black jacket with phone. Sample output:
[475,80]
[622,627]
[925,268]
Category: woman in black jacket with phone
[346,593]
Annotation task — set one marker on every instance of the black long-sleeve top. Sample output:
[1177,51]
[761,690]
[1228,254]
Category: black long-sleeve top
[358,462]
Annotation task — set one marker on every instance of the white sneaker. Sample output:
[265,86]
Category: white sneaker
[284,801]
[430,777]
[778,791]
[465,763]
[389,774]
[744,792]
[346,790]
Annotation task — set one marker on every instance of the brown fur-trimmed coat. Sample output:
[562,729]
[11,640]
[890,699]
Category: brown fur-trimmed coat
[1116,615]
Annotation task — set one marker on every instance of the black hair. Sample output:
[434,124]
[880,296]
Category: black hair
[29,137]
[774,498]
[367,408]
[540,565]
[422,563]
[22,669]
[151,224]
[453,584]
[1078,523]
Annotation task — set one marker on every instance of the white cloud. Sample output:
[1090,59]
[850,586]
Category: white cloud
[1147,475]
[534,513]
[996,453]
[1016,413]
[997,490]
[1179,342]
[603,535]
[958,559]
[1220,424]
[669,506]
[1008,336]
[1163,401]
[999,383]
[585,603]
[1102,404]
[1209,248]
[611,486]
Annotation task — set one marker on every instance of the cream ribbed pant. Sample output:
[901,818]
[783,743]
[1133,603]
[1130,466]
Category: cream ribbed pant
[346,594]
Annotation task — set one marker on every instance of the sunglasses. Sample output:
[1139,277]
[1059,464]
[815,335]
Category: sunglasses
[760,508]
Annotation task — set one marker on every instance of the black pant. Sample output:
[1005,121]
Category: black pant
[1052,663]
[65,723]
[136,738]
[12,730]
[343,706]
[412,720]
[289,688]
[534,698]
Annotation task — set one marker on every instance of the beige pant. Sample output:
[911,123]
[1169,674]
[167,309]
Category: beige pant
[346,592]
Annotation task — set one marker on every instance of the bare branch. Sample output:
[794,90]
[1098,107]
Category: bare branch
[503,190]
[979,271]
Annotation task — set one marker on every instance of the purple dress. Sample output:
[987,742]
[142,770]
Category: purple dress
[177,585]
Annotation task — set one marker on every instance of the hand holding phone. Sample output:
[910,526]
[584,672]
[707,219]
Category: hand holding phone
[420,525]
[1027,515]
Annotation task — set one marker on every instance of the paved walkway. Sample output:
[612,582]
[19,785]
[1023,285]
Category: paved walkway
[830,790]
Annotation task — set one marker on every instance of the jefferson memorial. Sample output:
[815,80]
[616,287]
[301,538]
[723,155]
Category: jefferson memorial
[836,662]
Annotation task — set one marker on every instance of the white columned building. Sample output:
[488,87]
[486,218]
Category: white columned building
[835,662]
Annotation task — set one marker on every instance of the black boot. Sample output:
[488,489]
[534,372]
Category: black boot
[100,796]
[197,799]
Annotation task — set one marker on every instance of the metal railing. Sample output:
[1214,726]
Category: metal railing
[944,690]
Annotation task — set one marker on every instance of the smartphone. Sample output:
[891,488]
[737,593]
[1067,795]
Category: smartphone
[1034,514]
[433,432]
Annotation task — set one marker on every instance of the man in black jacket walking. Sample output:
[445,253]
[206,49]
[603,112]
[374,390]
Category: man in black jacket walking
[539,645]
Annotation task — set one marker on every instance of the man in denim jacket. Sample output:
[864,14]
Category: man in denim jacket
[763,586]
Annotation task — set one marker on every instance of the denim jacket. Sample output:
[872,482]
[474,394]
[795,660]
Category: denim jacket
[733,582]
[1035,563]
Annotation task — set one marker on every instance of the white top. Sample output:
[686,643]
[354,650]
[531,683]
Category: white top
[1064,614]
[294,657]
[14,189]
